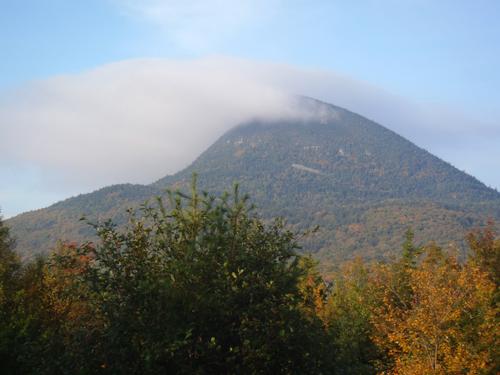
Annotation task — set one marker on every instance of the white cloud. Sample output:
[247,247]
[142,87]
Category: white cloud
[137,120]
[130,121]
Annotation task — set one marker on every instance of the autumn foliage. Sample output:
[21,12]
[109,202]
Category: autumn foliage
[198,284]
[447,326]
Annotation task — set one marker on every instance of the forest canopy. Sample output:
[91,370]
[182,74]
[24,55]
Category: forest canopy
[199,283]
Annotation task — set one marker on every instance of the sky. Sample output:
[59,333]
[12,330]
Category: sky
[99,92]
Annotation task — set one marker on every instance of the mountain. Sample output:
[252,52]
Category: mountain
[363,184]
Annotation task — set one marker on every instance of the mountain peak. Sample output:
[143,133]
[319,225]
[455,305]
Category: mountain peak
[361,182]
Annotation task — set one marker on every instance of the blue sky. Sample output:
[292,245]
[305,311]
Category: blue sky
[439,55]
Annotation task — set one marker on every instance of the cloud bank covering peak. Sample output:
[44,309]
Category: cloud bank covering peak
[137,120]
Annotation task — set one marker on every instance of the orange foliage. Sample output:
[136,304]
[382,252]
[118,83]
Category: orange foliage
[61,286]
[448,325]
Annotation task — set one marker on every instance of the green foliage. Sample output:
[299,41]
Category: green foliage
[24,320]
[9,266]
[9,263]
[410,251]
[198,285]
[348,319]
[486,251]
[402,292]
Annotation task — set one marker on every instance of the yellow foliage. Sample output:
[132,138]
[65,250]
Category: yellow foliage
[448,325]
[312,289]
[61,292]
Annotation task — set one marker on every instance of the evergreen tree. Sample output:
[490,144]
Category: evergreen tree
[9,262]
[485,251]
[9,284]
[199,284]
[410,251]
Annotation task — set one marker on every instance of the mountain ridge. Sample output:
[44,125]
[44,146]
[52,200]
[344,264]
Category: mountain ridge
[361,182]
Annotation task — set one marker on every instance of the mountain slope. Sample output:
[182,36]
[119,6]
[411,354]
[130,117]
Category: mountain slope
[362,183]
[344,154]
[38,231]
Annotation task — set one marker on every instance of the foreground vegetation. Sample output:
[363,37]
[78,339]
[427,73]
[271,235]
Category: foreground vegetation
[200,285]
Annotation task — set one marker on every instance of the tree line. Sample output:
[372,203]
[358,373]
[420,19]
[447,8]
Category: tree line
[199,284]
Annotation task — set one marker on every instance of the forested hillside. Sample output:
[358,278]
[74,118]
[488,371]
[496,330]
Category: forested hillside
[198,284]
[361,183]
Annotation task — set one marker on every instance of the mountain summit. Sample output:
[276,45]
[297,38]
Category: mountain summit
[363,184]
